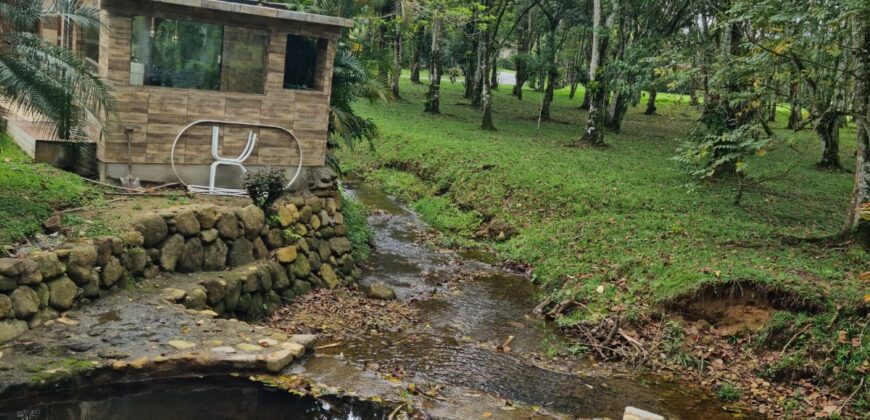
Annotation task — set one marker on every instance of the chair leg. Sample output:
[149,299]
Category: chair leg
[212,176]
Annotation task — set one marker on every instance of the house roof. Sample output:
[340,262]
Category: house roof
[250,7]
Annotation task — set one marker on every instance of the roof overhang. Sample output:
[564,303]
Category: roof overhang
[261,9]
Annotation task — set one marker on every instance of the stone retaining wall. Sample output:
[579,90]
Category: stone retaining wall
[305,241]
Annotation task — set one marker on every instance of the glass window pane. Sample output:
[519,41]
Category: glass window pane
[92,44]
[244,63]
[176,53]
[300,64]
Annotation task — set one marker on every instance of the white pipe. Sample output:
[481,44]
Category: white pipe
[274,127]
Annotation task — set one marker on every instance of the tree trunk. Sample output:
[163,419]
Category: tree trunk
[651,103]
[861,190]
[417,56]
[485,86]
[586,99]
[573,91]
[552,72]
[592,134]
[617,112]
[396,71]
[433,97]
[493,79]
[795,116]
[524,45]
[479,75]
[828,129]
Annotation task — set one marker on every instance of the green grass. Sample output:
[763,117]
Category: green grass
[620,217]
[590,217]
[32,192]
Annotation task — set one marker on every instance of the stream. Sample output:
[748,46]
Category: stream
[468,319]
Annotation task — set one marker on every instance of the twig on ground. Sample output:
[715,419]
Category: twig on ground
[328,346]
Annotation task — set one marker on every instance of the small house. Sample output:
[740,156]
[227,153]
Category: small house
[254,72]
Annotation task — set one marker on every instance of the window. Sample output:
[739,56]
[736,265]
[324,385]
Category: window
[194,55]
[91,45]
[300,63]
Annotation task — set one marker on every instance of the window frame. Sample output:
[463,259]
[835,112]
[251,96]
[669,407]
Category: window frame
[266,53]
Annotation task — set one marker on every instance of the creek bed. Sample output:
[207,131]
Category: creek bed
[466,319]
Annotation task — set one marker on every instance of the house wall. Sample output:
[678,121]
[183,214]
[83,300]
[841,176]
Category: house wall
[153,116]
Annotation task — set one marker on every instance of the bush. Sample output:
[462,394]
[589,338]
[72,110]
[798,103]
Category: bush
[358,231]
[264,187]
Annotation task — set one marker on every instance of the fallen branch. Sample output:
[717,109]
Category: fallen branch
[803,330]
[852,395]
[328,346]
[73,210]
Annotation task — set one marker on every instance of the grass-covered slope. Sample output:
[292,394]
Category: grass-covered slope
[30,193]
[619,217]
[617,232]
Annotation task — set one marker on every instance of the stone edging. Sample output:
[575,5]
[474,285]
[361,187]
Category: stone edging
[306,240]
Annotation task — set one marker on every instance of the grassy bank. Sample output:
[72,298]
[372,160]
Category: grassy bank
[32,192]
[616,229]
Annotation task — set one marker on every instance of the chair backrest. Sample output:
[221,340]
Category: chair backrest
[249,148]
[246,152]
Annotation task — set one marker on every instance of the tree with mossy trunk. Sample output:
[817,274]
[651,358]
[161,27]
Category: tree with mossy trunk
[593,135]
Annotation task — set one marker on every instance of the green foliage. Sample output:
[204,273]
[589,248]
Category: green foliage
[265,186]
[443,215]
[32,192]
[728,392]
[358,231]
[37,76]
[706,154]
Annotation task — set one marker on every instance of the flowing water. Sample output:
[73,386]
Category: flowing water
[470,317]
[185,399]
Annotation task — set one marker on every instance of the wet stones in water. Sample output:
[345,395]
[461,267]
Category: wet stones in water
[380,291]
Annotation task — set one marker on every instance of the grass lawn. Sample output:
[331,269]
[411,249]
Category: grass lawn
[616,228]
[32,192]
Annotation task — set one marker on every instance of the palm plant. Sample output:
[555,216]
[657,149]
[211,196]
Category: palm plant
[37,77]
[351,81]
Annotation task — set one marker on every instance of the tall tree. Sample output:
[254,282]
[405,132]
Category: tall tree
[600,39]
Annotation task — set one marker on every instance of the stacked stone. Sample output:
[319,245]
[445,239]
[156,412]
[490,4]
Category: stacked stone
[307,238]
[34,289]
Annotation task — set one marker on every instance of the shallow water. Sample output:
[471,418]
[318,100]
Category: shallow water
[468,318]
[184,399]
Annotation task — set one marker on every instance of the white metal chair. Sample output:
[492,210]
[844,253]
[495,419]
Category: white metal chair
[238,161]
[220,160]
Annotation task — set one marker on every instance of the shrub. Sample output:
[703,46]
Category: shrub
[358,231]
[727,392]
[266,186]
